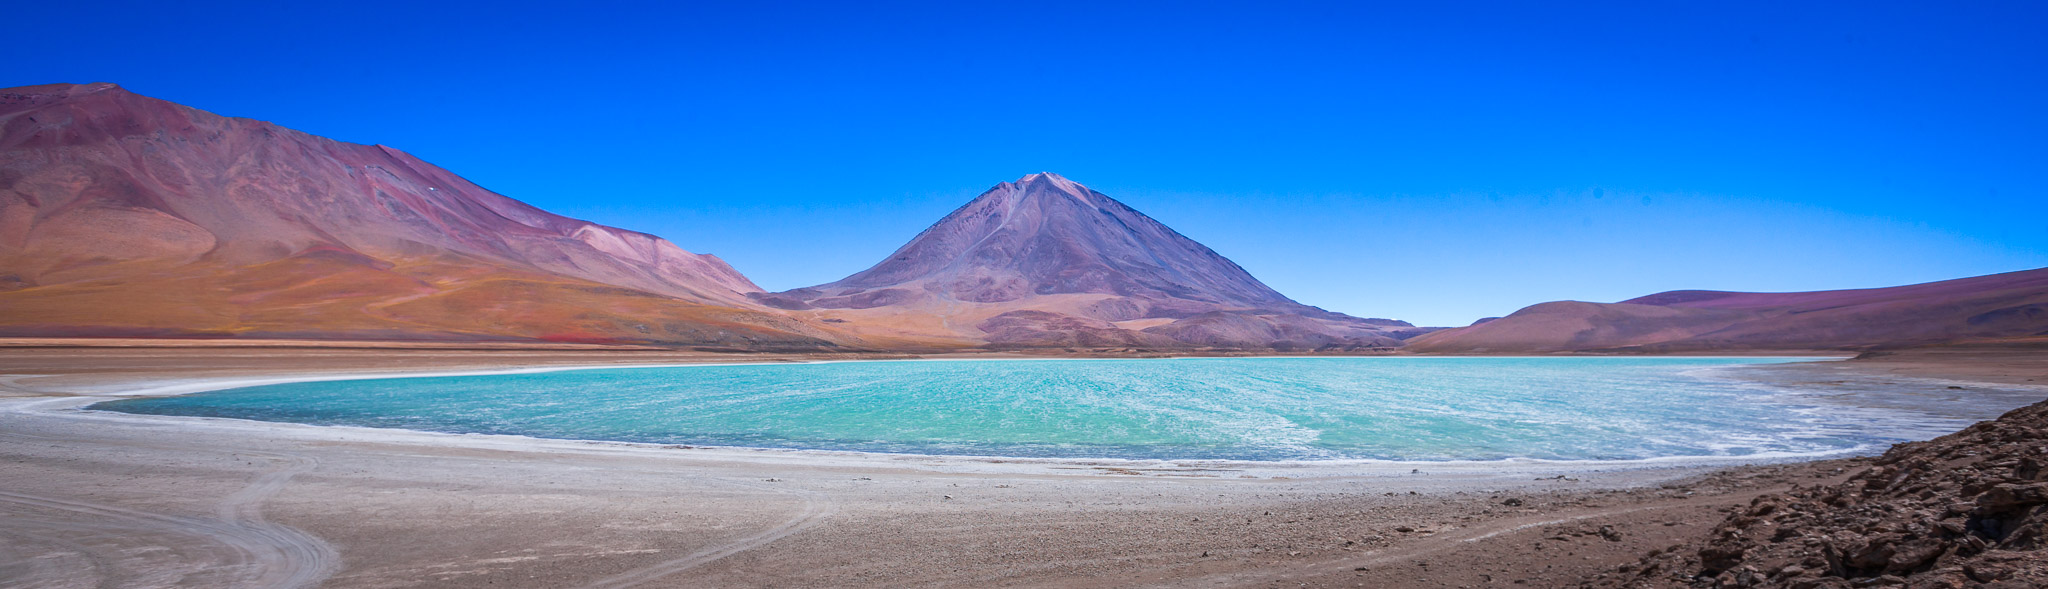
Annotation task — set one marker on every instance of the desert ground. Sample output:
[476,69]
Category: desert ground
[93,499]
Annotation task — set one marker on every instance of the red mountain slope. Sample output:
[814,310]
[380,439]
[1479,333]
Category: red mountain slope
[126,215]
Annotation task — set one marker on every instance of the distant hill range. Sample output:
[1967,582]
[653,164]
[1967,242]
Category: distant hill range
[123,215]
[2010,305]
[126,216]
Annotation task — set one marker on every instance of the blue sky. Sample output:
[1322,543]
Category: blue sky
[1436,162]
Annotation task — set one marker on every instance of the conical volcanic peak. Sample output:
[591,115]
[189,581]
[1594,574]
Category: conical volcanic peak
[113,203]
[1044,260]
[1047,235]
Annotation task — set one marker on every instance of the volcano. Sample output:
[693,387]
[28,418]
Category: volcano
[1045,261]
[122,214]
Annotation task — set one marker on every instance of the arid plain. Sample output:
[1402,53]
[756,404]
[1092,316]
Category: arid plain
[103,499]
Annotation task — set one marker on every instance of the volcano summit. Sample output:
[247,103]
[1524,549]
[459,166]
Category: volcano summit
[1044,261]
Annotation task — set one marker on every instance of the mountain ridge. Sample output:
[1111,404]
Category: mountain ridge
[121,213]
[2005,305]
[124,215]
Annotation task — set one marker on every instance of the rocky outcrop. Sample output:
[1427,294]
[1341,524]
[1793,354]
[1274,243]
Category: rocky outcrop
[1965,510]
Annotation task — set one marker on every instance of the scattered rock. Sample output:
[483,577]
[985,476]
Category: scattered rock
[1964,510]
[1607,533]
[2007,497]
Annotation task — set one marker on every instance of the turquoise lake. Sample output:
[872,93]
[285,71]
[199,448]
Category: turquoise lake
[1393,408]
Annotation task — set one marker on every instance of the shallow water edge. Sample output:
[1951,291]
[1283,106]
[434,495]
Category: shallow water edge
[1840,448]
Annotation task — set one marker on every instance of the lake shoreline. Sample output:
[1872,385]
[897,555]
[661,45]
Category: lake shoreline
[402,510]
[148,399]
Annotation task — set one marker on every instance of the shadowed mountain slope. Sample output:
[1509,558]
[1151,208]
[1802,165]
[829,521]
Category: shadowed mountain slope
[2013,304]
[127,215]
[1044,261]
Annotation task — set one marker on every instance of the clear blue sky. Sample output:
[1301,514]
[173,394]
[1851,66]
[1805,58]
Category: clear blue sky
[1436,162]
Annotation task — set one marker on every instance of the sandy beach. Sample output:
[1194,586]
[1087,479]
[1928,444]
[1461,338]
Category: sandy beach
[96,499]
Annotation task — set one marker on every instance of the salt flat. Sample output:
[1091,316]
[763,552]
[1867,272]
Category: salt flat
[95,498]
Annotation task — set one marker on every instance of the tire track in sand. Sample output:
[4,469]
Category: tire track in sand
[1460,538]
[816,508]
[262,554]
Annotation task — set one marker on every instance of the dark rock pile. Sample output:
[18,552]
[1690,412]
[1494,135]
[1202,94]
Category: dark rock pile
[1969,509]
